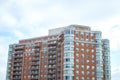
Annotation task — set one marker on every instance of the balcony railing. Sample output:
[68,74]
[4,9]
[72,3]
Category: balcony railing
[19,47]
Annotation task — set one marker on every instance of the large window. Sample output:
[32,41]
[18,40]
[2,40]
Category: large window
[69,60]
[98,41]
[68,48]
[68,78]
[98,51]
[69,31]
[98,46]
[69,54]
[68,43]
[68,66]
[69,72]
[98,35]
[69,38]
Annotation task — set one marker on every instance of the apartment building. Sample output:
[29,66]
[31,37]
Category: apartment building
[73,52]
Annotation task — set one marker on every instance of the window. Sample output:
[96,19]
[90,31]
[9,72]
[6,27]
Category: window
[68,54]
[87,50]
[98,67]
[68,48]
[82,66]
[72,32]
[69,60]
[82,72]
[77,78]
[44,44]
[98,51]
[68,78]
[88,78]
[97,57]
[82,33]
[82,56]
[77,66]
[68,66]
[82,61]
[69,72]
[77,72]
[87,34]
[67,43]
[69,38]
[77,60]
[77,55]
[98,41]
[87,55]
[93,56]
[76,32]
[92,50]
[77,49]
[77,39]
[93,78]
[69,31]
[97,45]
[88,61]
[98,35]
[98,73]
[44,50]
[87,39]
[93,67]
[93,45]
[82,44]
[97,61]
[93,61]
[88,73]
[88,67]
[82,39]
[82,78]
[93,73]
[82,50]
[87,44]
[92,34]
[77,44]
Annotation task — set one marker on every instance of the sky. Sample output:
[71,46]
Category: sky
[21,19]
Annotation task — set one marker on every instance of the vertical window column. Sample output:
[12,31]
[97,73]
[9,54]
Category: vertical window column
[68,51]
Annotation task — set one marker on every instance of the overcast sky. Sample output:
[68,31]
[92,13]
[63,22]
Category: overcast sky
[21,19]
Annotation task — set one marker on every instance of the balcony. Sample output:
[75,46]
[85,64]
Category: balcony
[16,73]
[52,62]
[17,69]
[19,47]
[35,63]
[36,54]
[34,68]
[18,56]
[16,77]
[19,51]
[35,59]
[34,77]
[52,52]
[51,76]
[34,73]
[51,72]
[17,60]
[17,65]
[36,51]
[37,45]
[51,67]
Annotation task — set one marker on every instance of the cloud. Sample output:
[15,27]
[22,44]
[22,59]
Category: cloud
[21,19]
[3,59]
[8,20]
[116,73]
